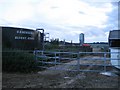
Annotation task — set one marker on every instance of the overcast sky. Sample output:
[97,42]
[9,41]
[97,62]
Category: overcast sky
[63,19]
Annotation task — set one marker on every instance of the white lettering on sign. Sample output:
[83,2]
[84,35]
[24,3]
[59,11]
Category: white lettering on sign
[17,37]
[30,38]
[24,32]
[23,38]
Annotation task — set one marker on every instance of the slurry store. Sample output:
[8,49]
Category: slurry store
[22,38]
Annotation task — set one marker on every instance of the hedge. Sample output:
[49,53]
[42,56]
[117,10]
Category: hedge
[18,61]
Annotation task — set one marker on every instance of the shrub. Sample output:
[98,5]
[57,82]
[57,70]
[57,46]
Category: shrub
[18,61]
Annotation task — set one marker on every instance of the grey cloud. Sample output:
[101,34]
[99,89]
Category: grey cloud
[74,27]
[112,22]
[81,12]
[93,31]
[54,7]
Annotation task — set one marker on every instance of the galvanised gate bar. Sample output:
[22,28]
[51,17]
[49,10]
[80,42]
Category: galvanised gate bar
[81,61]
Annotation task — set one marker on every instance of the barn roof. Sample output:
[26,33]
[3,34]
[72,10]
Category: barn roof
[85,45]
[114,34]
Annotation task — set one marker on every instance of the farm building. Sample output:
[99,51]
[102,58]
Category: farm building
[21,38]
[114,44]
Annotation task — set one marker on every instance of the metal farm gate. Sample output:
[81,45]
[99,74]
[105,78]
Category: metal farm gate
[70,61]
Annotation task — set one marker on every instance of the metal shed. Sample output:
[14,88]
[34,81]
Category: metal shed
[114,45]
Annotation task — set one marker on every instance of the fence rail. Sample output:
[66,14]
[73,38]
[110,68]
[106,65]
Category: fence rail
[81,61]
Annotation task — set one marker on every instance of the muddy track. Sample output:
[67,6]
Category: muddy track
[60,79]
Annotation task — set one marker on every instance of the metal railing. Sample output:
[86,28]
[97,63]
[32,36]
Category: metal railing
[81,61]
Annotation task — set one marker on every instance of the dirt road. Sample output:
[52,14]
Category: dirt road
[59,79]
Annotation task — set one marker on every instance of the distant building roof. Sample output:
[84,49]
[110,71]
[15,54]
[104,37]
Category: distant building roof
[115,34]
[87,45]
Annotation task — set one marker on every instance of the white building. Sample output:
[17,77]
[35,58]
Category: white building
[114,43]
